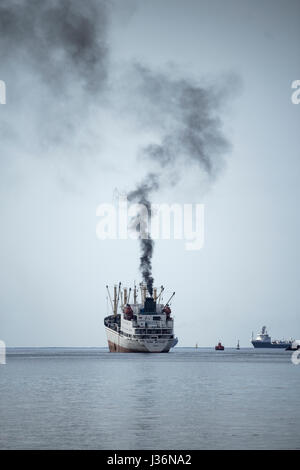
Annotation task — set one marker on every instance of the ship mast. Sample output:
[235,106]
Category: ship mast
[110,299]
[115,300]
[125,296]
[134,294]
[128,300]
[119,296]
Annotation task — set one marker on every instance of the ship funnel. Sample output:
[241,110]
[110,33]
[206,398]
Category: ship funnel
[150,305]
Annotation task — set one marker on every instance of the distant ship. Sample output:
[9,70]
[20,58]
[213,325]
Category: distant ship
[219,347]
[263,340]
[238,344]
[141,326]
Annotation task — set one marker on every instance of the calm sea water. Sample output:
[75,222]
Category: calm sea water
[62,398]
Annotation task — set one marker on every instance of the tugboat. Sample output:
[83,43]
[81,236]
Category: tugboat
[219,347]
[144,326]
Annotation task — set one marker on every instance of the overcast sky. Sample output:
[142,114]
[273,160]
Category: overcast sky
[71,132]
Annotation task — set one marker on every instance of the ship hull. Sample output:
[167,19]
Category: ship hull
[261,344]
[119,343]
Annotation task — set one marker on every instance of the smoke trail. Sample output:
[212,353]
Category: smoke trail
[61,40]
[55,60]
[141,196]
[62,45]
[187,119]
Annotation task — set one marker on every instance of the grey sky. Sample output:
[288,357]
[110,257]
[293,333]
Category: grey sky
[67,146]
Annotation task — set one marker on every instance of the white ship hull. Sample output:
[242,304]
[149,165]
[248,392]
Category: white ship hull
[119,343]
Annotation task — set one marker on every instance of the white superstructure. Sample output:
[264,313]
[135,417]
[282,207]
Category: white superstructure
[263,336]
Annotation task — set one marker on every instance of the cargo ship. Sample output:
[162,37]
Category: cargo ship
[263,340]
[144,325]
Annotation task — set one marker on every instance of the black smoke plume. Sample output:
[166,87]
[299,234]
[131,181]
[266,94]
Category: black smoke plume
[188,121]
[62,40]
[190,130]
[141,196]
[63,45]
[55,61]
